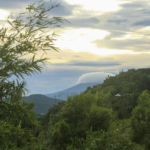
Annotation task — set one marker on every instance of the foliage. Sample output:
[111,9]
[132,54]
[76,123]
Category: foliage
[95,120]
[19,125]
[117,137]
[75,117]
[141,120]
[42,102]
[129,85]
[27,35]
[99,118]
[53,115]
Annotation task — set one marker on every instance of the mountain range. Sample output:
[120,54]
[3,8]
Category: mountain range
[77,89]
[42,102]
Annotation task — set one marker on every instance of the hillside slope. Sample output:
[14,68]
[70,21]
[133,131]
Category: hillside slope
[129,82]
[116,112]
[42,103]
[124,90]
[77,89]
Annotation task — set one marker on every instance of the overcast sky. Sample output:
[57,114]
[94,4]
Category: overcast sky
[104,37]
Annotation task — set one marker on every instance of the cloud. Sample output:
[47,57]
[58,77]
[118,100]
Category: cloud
[3,22]
[126,28]
[93,77]
[90,63]
[98,5]
[63,9]
[142,23]
[53,80]
[135,4]
[15,4]
[60,77]
[127,21]
[117,21]
[137,45]
[83,22]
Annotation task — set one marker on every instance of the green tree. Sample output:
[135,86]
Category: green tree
[117,137]
[99,118]
[140,120]
[76,116]
[28,34]
[21,42]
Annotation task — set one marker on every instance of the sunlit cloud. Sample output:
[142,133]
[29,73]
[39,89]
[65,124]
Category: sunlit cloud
[128,36]
[81,40]
[98,5]
[93,77]
[101,31]
[105,51]
[3,14]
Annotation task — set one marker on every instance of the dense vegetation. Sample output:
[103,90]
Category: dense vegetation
[42,103]
[21,42]
[97,119]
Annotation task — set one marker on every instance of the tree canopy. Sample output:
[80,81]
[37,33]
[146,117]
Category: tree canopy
[94,120]
[26,35]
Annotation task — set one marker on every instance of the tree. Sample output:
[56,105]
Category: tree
[140,120]
[27,35]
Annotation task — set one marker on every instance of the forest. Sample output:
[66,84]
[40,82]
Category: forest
[114,115]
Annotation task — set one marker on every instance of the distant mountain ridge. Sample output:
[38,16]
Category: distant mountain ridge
[42,102]
[77,89]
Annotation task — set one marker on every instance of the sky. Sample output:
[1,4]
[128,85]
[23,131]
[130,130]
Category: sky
[102,38]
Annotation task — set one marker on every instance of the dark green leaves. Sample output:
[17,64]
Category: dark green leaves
[28,35]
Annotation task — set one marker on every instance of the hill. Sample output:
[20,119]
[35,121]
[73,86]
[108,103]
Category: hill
[42,103]
[133,81]
[77,89]
[113,115]
[128,85]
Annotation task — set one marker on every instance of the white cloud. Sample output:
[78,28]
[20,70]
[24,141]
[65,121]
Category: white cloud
[129,37]
[93,77]
[98,5]
[3,14]
[80,40]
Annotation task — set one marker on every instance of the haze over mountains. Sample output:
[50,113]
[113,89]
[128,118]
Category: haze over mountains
[77,89]
[44,102]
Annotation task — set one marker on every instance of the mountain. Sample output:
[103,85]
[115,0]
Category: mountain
[128,82]
[42,102]
[77,89]
[122,102]
[124,90]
